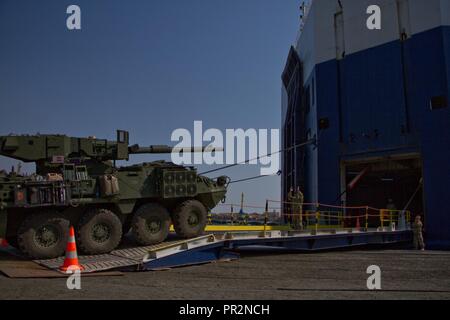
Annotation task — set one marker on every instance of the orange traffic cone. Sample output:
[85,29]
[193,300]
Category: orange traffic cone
[71,260]
[358,226]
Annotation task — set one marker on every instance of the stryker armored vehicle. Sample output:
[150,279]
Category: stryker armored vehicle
[77,183]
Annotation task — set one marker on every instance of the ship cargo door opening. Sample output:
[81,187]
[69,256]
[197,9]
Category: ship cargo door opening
[374,183]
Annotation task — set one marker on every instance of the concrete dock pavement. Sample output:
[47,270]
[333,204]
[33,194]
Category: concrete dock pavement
[405,274]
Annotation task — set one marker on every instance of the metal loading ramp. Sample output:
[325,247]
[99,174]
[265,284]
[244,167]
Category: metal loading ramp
[215,247]
[115,260]
[314,241]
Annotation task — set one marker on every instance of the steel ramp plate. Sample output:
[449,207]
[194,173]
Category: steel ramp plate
[191,256]
[13,265]
[91,263]
[137,253]
[127,258]
[321,240]
[175,248]
[216,247]
[32,270]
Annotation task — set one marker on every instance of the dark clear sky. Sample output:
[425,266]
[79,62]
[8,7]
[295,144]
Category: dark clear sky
[148,67]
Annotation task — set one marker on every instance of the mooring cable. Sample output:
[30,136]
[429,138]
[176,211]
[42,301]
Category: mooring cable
[259,157]
[255,177]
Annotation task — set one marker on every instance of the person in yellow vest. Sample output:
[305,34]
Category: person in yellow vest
[417,232]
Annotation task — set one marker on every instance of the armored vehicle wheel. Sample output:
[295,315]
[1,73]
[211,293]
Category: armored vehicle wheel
[151,224]
[189,219]
[43,235]
[99,231]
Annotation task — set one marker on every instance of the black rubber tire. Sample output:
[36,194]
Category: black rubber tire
[150,212]
[29,232]
[99,218]
[181,217]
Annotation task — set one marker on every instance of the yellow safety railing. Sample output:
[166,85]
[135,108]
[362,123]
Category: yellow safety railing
[393,216]
[312,216]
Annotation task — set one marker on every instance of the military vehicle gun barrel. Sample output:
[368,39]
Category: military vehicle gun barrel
[161,149]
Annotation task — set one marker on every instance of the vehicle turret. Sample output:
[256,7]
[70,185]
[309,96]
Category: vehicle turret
[55,148]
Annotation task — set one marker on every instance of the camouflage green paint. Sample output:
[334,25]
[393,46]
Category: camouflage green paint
[83,163]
